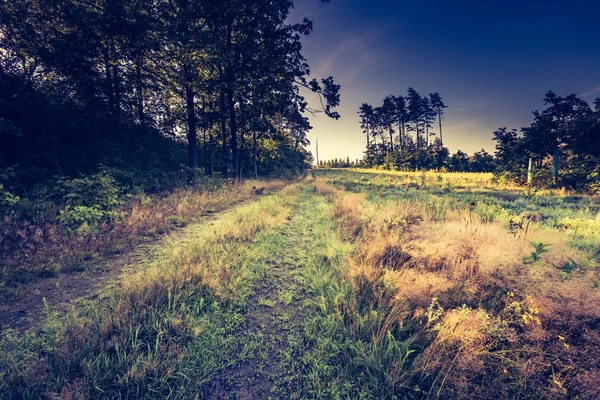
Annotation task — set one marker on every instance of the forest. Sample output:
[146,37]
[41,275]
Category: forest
[129,85]
[104,101]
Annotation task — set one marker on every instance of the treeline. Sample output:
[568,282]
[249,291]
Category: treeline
[407,114]
[165,89]
[560,148]
[431,159]
[400,135]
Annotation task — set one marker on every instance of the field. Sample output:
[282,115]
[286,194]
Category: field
[345,284]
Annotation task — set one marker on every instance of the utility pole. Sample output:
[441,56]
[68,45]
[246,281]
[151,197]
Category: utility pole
[317,152]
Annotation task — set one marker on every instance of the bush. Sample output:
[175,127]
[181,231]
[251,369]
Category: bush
[89,200]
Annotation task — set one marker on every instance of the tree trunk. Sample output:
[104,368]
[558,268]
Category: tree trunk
[223,115]
[391,139]
[403,135]
[529,171]
[400,135]
[241,157]
[108,77]
[212,155]
[233,130]
[203,125]
[191,136]
[117,89]
[139,93]
[418,135]
[231,105]
[254,153]
[241,149]
[368,136]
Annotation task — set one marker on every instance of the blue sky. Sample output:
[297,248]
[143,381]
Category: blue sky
[492,62]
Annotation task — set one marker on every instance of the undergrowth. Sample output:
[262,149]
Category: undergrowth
[405,297]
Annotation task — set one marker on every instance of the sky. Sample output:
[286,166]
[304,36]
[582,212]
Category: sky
[491,61]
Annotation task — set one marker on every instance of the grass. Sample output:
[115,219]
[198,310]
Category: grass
[349,285]
[575,215]
[166,332]
[46,249]
[477,320]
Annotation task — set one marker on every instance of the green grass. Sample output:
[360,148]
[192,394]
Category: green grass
[576,215]
[277,301]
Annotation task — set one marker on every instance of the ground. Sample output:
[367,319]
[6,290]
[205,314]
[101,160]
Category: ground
[344,285]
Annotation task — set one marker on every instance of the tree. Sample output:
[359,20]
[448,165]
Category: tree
[410,113]
[438,108]
[401,119]
[205,72]
[507,142]
[560,126]
[428,117]
[481,161]
[366,120]
[415,111]
[459,162]
[388,117]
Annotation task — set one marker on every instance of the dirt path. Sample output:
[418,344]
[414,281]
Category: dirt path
[68,289]
[276,313]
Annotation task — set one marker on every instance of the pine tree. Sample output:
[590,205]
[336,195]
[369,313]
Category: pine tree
[438,108]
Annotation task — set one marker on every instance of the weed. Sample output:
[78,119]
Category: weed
[539,249]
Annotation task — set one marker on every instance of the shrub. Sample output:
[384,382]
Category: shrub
[89,200]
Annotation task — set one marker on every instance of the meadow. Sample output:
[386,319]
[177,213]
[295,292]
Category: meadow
[347,284]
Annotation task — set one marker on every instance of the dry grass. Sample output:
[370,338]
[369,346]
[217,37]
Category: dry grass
[425,178]
[322,188]
[207,261]
[496,326]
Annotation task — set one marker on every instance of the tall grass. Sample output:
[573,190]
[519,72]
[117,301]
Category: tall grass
[438,304]
[575,215]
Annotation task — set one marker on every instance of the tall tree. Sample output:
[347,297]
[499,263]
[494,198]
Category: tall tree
[428,117]
[388,118]
[415,110]
[366,120]
[401,119]
[438,107]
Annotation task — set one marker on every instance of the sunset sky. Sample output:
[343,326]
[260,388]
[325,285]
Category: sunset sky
[492,62]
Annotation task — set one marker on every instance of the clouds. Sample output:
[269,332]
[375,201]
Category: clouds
[353,57]
[591,92]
